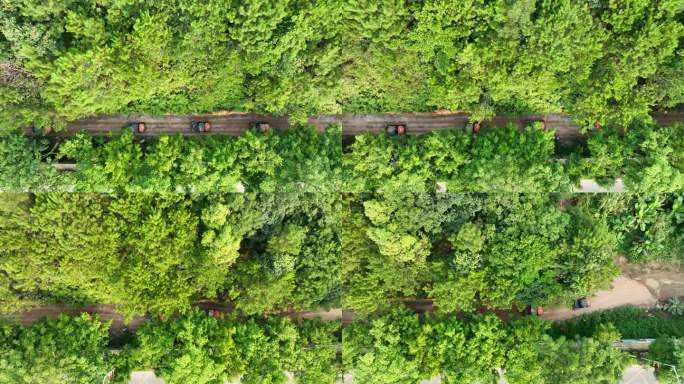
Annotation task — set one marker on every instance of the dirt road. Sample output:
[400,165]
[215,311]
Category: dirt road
[352,124]
[109,313]
[624,291]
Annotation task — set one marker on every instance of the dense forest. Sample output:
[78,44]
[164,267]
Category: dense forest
[476,224]
[470,251]
[394,347]
[160,253]
[597,60]
[194,348]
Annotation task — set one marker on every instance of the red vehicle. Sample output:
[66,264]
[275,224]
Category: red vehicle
[138,127]
[529,311]
[474,126]
[396,129]
[261,126]
[201,126]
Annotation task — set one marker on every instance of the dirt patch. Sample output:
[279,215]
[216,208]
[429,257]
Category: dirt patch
[662,280]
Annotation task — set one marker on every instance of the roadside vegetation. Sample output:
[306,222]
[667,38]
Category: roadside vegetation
[471,251]
[402,347]
[597,61]
[297,160]
[268,252]
[665,325]
[646,157]
[194,348]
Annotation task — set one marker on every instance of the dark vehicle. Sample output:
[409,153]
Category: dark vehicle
[529,311]
[201,126]
[474,126]
[261,126]
[539,122]
[40,131]
[581,303]
[396,129]
[138,127]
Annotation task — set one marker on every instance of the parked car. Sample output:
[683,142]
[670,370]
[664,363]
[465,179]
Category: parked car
[396,129]
[201,126]
[584,302]
[262,127]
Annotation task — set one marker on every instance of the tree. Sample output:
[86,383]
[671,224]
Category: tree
[24,166]
[68,349]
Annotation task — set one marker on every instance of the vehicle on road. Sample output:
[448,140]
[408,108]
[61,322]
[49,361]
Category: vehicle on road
[262,127]
[473,126]
[138,127]
[584,302]
[529,310]
[397,129]
[40,131]
[201,126]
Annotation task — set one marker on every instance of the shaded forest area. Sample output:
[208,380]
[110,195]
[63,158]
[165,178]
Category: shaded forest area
[596,60]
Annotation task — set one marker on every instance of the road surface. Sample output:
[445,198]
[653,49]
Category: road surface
[234,123]
[624,291]
[108,313]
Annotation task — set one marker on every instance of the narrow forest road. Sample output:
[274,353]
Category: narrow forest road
[631,288]
[624,291]
[108,312]
[234,123]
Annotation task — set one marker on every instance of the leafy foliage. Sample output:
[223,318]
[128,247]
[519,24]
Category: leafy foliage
[631,322]
[502,160]
[197,348]
[597,60]
[23,167]
[65,349]
[648,226]
[467,251]
[670,351]
[161,252]
[401,347]
[297,160]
